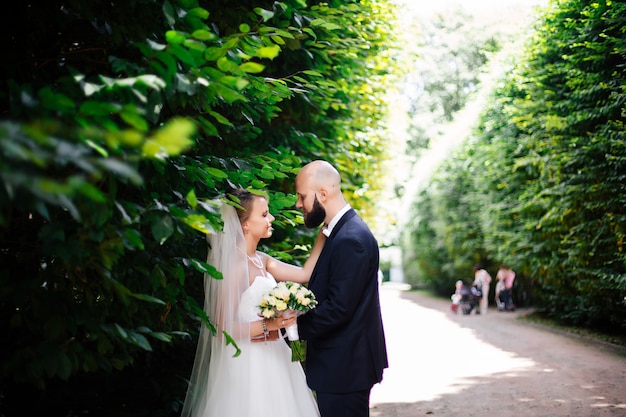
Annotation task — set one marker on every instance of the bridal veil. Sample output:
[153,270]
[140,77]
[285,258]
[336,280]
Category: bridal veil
[227,253]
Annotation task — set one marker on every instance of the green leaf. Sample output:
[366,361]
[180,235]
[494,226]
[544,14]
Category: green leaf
[199,12]
[226,65]
[169,13]
[149,298]
[213,53]
[331,26]
[164,337]
[171,139]
[132,239]
[266,174]
[156,46]
[280,41]
[205,268]
[140,340]
[162,228]
[217,173]
[313,73]
[149,80]
[221,119]
[310,32]
[195,47]
[252,67]
[238,83]
[134,119]
[55,101]
[120,331]
[174,37]
[170,64]
[285,34]
[191,198]
[199,222]
[230,341]
[270,52]
[203,35]
[265,14]
[120,168]
[182,54]
[228,94]
[87,190]
[208,127]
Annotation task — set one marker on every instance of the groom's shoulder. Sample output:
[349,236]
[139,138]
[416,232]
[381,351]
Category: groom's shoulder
[356,227]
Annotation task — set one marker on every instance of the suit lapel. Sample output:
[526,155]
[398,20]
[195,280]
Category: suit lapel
[347,216]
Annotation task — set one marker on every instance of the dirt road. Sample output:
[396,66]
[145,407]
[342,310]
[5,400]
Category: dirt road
[442,364]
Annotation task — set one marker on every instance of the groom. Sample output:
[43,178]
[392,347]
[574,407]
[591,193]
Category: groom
[346,351]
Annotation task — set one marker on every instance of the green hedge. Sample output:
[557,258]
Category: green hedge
[120,123]
[543,177]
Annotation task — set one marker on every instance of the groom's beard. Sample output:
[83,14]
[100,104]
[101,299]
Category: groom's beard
[316,216]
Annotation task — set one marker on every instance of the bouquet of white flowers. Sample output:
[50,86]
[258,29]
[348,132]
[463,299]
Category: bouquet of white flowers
[289,296]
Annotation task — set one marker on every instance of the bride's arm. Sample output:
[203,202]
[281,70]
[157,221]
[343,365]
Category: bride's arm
[257,332]
[286,272]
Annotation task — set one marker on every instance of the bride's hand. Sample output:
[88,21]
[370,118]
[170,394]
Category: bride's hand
[281,322]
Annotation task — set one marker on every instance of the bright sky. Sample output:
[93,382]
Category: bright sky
[490,6]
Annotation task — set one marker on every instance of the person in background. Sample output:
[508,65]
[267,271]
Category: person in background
[482,279]
[456,297]
[499,290]
[507,276]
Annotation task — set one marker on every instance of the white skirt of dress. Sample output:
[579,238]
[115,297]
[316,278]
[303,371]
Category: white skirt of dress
[262,381]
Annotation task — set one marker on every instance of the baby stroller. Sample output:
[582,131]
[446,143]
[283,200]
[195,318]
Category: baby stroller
[469,298]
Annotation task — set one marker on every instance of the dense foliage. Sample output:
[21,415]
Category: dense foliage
[120,125]
[541,184]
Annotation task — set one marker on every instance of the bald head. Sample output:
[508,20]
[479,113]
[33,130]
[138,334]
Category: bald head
[319,180]
[321,174]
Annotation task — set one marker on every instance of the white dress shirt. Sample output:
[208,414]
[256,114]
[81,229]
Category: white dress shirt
[327,230]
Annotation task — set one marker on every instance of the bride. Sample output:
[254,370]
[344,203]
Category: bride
[262,380]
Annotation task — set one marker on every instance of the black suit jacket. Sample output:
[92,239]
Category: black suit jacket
[346,349]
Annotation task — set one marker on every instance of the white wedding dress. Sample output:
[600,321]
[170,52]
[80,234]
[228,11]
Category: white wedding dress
[262,381]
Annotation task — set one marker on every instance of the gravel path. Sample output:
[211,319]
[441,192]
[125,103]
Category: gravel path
[442,364]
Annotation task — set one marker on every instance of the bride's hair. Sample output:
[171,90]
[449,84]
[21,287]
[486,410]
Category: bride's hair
[244,198]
